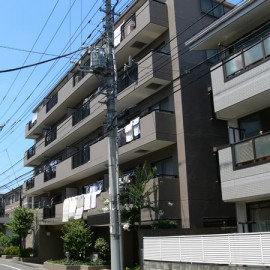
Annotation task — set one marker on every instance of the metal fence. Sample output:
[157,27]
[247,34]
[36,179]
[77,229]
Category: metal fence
[231,249]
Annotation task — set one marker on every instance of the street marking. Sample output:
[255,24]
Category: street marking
[11,266]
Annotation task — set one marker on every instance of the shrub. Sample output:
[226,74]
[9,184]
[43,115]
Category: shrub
[4,240]
[12,251]
[76,237]
[103,248]
[164,224]
[26,252]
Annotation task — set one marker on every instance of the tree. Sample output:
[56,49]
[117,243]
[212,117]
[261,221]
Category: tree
[77,238]
[136,196]
[21,222]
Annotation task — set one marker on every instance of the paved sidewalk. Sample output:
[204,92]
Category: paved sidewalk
[32,265]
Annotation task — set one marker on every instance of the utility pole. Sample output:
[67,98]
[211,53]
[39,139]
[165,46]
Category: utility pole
[110,81]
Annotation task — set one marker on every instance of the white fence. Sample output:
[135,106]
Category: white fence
[235,249]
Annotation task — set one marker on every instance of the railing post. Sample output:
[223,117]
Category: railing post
[261,244]
[202,247]
[230,252]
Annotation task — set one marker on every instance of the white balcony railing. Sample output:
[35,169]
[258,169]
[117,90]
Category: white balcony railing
[236,249]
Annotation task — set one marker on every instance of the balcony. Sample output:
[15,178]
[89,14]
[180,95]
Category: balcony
[157,131]
[31,152]
[245,169]
[241,85]
[51,103]
[30,183]
[78,125]
[139,82]
[140,29]
[50,215]
[69,95]
[168,192]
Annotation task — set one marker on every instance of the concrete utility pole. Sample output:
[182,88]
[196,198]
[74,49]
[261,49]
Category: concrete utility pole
[110,81]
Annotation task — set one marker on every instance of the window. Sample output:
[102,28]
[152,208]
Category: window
[164,167]
[212,56]
[252,124]
[259,216]
[163,48]
[212,8]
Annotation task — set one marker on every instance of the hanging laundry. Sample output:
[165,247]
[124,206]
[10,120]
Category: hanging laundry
[87,201]
[80,206]
[129,132]
[136,127]
[65,210]
[72,208]
[94,198]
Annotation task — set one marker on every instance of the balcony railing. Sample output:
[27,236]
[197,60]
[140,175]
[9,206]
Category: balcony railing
[247,57]
[31,124]
[49,212]
[52,102]
[81,157]
[127,77]
[49,173]
[81,113]
[253,150]
[30,183]
[50,136]
[31,151]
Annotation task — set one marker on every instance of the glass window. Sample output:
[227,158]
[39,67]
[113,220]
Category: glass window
[213,8]
[259,216]
[234,64]
[212,56]
[164,167]
[251,125]
[253,54]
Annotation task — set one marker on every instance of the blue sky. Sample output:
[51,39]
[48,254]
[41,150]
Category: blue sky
[43,26]
[47,29]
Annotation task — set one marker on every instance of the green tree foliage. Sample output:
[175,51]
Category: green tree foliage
[21,222]
[77,238]
[103,248]
[137,194]
[4,240]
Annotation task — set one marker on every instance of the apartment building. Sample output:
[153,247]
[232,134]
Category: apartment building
[8,201]
[240,85]
[165,118]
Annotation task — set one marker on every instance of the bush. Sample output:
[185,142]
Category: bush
[12,251]
[27,252]
[4,240]
[78,262]
[76,237]
[164,224]
[103,248]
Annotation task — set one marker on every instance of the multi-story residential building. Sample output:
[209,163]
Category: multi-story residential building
[240,85]
[8,201]
[165,119]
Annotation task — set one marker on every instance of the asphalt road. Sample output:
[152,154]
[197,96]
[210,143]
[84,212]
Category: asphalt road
[11,265]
